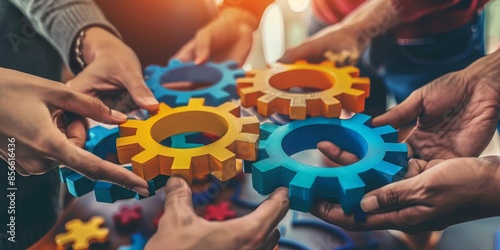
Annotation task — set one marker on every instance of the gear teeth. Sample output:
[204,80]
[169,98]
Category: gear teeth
[266,104]
[354,100]
[265,176]
[231,107]
[397,153]
[267,129]
[249,124]
[249,96]
[390,172]
[298,108]
[182,100]
[222,75]
[181,166]
[353,191]
[331,106]
[360,119]
[302,187]
[239,139]
[380,163]
[301,62]
[363,84]
[218,97]
[269,90]
[223,164]
[175,63]
[388,133]
[350,70]
[146,165]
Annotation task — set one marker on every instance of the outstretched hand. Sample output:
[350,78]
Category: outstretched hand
[36,115]
[433,196]
[181,228]
[457,115]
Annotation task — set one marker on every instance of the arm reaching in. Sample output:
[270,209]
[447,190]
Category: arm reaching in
[181,228]
[33,114]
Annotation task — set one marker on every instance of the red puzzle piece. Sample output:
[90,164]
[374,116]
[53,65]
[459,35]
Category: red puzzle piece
[219,212]
[128,218]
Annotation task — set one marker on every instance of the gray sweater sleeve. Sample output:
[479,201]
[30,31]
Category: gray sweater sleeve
[60,21]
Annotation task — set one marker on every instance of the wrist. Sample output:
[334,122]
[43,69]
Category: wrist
[486,69]
[96,39]
[490,171]
[240,16]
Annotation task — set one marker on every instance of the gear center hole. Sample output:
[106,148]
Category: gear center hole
[306,152]
[191,78]
[187,129]
[302,81]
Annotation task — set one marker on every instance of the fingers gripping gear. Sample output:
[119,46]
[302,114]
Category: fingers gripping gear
[268,90]
[382,160]
[222,75]
[140,145]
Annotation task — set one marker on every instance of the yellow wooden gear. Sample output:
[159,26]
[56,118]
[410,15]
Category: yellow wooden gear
[139,141]
[337,88]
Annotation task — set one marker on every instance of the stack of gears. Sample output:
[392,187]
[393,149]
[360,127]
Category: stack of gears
[311,95]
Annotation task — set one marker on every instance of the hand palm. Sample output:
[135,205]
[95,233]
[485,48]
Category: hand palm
[458,124]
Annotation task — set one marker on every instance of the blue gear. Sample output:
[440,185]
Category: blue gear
[222,75]
[102,141]
[382,160]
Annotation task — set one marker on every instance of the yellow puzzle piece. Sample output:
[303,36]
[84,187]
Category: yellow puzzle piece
[334,89]
[83,234]
[140,141]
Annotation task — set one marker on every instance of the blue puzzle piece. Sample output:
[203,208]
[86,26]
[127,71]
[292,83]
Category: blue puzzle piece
[382,160]
[138,243]
[222,75]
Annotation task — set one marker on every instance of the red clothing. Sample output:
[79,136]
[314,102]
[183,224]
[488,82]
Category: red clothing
[420,18]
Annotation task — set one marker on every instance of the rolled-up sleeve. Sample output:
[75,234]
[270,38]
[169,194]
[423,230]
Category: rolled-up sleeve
[59,21]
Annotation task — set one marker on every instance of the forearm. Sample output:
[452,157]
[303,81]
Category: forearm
[372,18]
[249,11]
[59,21]
[486,67]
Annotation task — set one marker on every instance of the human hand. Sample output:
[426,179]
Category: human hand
[457,113]
[338,43]
[227,37]
[181,228]
[435,195]
[33,115]
[112,68]
[344,42]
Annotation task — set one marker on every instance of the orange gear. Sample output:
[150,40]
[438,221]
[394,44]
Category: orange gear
[140,141]
[268,90]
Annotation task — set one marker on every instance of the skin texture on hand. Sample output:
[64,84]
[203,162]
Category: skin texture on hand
[457,113]
[181,228]
[433,196]
[112,67]
[227,37]
[344,42]
[33,113]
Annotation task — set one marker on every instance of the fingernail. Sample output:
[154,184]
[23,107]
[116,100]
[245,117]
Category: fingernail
[142,191]
[150,101]
[370,204]
[118,115]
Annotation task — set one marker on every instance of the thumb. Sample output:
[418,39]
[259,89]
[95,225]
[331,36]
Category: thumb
[403,113]
[392,197]
[178,202]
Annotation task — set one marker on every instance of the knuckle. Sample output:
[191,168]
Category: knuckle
[391,199]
